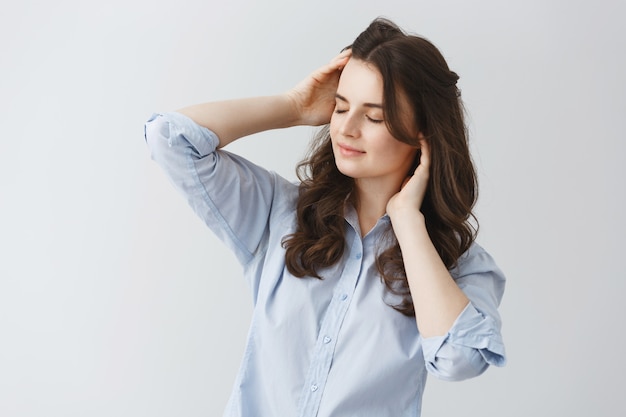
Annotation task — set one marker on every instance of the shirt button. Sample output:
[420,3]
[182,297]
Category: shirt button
[358,255]
[326,339]
[313,388]
[343,297]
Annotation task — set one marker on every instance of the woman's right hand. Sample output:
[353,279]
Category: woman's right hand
[311,102]
[314,97]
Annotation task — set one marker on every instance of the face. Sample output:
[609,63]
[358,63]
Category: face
[363,147]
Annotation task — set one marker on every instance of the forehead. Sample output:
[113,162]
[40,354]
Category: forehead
[361,82]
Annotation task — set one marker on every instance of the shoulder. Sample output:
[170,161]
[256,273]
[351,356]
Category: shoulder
[476,261]
[285,195]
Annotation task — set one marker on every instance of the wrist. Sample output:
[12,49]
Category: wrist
[404,214]
[294,115]
[408,222]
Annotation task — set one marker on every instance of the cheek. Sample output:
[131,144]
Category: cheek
[400,152]
[334,133]
[333,125]
[388,145]
[409,160]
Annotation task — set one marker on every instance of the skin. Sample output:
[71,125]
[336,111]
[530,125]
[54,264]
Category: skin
[366,151]
[363,147]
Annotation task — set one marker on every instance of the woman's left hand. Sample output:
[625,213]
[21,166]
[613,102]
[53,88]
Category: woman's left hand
[410,197]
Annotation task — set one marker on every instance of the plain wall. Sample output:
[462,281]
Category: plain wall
[116,301]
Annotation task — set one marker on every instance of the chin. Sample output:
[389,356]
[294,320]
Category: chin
[352,173]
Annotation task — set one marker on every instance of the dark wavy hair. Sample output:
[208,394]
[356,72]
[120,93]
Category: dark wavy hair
[412,66]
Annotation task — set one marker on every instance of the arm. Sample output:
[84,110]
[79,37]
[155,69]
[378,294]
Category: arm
[311,102]
[233,119]
[437,299]
[230,194]
[456,311]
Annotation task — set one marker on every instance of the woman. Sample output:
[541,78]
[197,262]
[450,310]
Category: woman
[365,275]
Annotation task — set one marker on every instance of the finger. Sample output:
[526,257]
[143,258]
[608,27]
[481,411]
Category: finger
[414,189]
[343,58]
[424,153]
[337,63]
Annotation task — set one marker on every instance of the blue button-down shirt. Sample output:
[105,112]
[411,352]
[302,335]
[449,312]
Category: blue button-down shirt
[330,347]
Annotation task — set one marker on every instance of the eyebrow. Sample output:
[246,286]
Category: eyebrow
[373,105]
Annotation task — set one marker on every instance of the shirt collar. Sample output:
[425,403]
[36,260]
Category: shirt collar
[351,216]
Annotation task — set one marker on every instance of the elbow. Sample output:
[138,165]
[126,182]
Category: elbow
[157,133]
[174,133]
[457,363]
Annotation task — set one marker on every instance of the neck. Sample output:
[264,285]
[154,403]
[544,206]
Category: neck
[370,201]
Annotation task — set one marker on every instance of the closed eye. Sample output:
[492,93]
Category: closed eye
[369,118]
[374,120]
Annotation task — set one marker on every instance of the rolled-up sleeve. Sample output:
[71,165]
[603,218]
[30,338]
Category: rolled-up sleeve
[229,193]
[474,341]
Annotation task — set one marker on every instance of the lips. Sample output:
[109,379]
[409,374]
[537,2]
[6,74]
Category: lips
[349,151]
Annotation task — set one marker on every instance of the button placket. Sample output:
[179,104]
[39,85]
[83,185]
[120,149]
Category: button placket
[325,348]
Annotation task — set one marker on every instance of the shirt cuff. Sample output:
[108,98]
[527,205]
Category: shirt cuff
[179,129]
[472,343]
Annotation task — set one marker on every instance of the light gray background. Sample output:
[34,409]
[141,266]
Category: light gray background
[116,301]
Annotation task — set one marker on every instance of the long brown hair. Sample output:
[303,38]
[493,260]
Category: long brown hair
[412,66]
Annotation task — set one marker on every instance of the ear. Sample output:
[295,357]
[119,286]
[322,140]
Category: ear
[418,155]
[421,138]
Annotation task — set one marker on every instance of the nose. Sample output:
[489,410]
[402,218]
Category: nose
[349,125]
